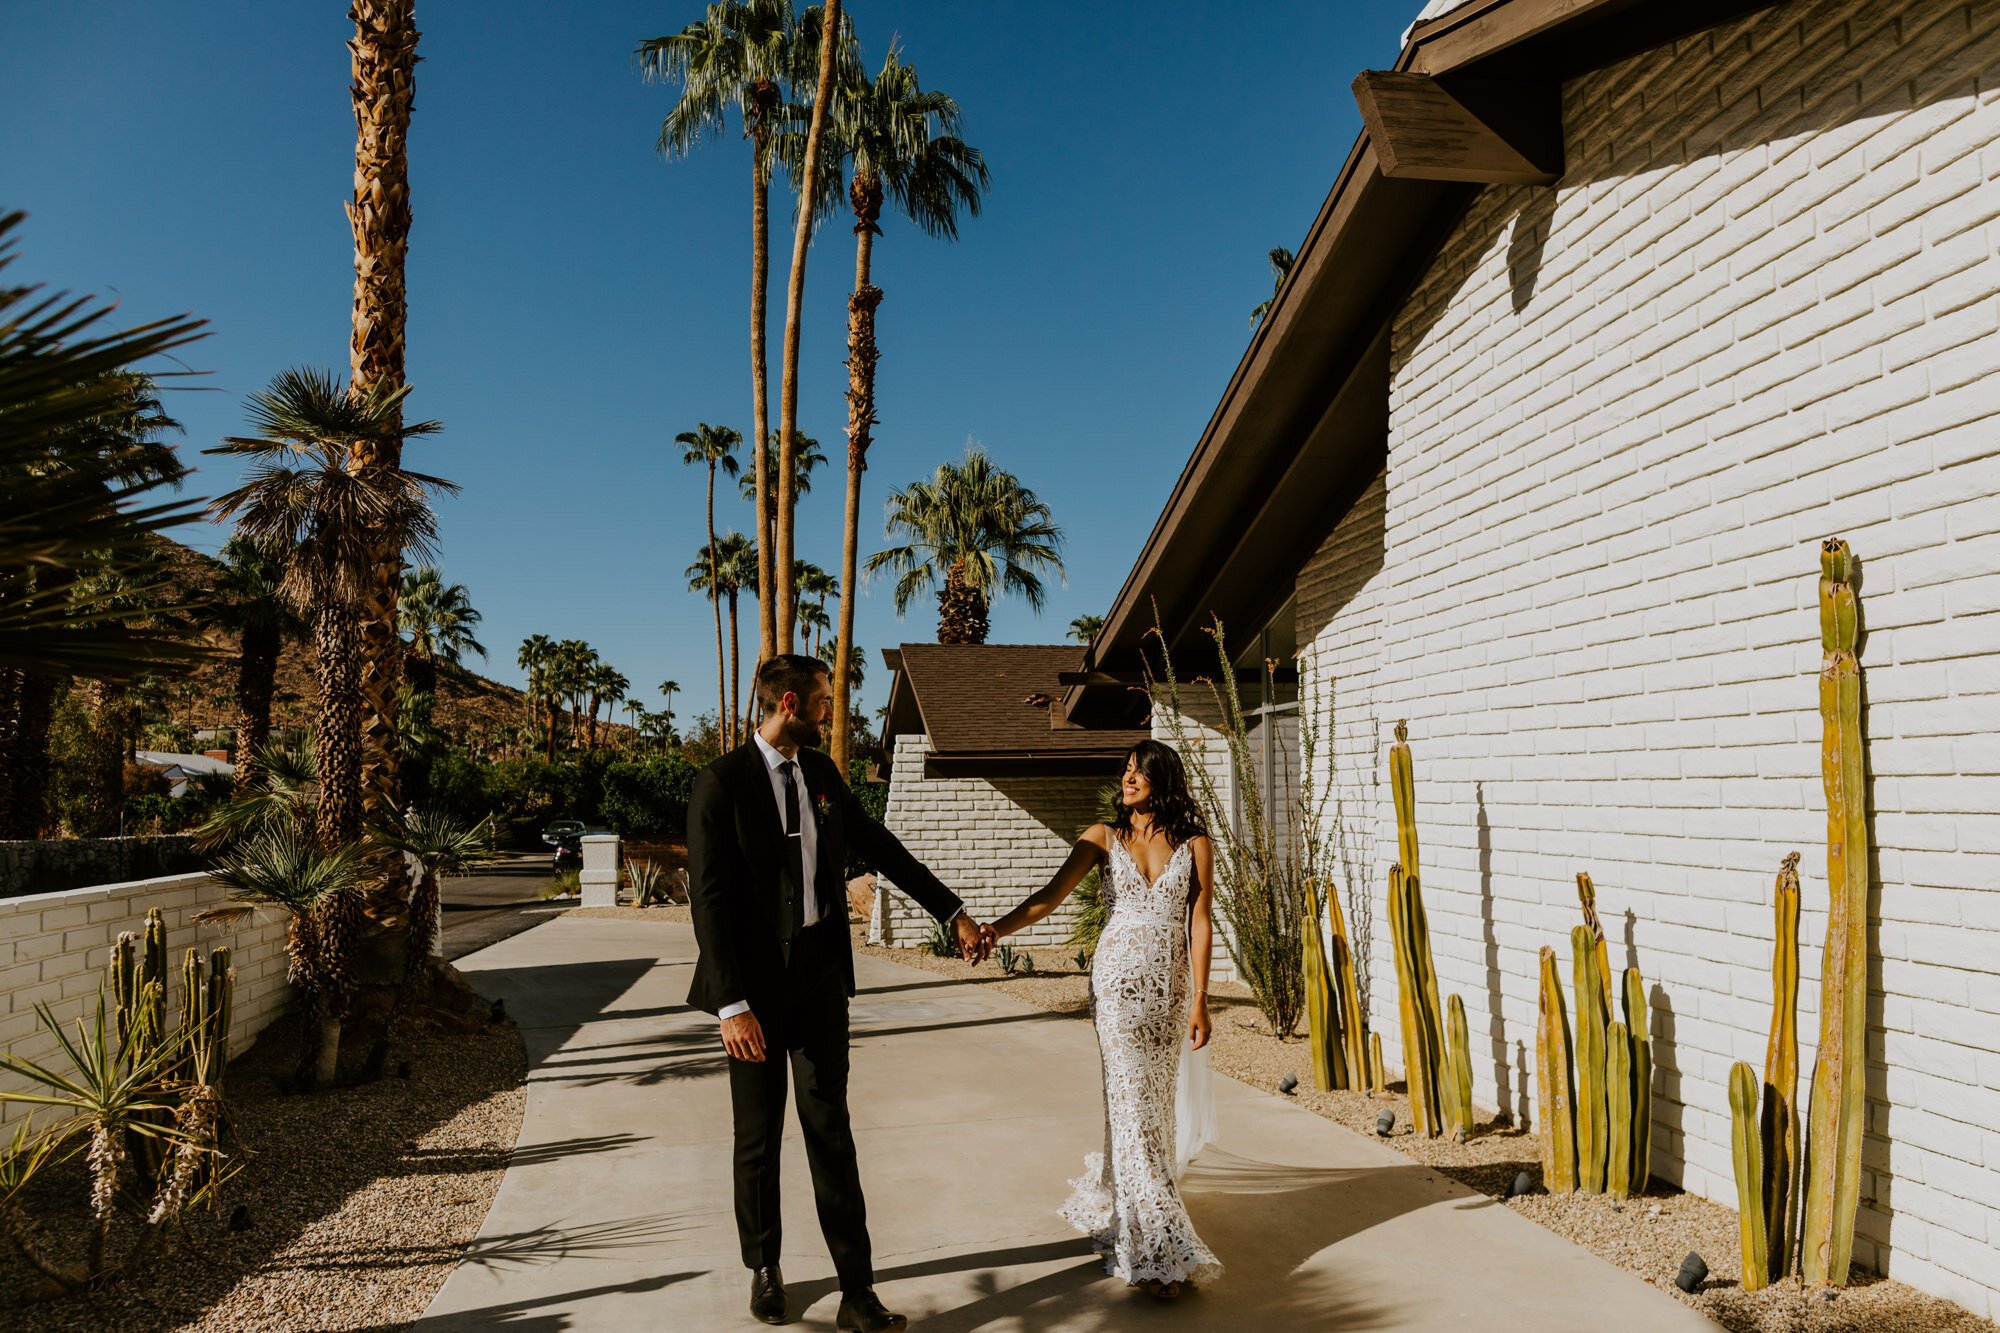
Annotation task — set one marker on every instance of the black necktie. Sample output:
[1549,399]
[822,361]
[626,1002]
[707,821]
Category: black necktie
[795,906]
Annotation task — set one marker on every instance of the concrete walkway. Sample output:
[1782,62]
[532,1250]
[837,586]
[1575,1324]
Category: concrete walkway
[971,1109]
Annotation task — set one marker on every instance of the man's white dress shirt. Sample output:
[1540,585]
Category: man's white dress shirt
[808,842]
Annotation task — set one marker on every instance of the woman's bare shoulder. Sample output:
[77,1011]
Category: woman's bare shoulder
[1098,836]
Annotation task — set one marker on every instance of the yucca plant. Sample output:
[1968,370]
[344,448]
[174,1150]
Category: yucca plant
[112,1090]
[283,868]
[29,1152]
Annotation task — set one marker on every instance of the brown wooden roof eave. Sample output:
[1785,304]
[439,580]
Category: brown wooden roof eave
[1549,40]
[1009,763]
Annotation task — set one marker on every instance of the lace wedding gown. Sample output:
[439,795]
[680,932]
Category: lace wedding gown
[1126,1198]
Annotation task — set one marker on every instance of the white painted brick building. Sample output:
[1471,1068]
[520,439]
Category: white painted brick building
[982,788]
[1571,485]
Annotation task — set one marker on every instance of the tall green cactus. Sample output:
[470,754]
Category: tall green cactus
[1586,894]
[1353,1023]
[1422,1048]
[1592,1131]
[1322,1003]
[1378,1072]
[1424,1056]
[1745,1141]
[1617,1110]
[1555,1099]
[1638,1023]
[1839,1099]
[1780,1124]
[1458,1069]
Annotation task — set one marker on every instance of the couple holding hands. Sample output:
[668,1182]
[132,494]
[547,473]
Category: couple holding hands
[769,825]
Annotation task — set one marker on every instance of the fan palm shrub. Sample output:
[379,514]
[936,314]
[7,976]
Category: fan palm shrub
[973,531]
[436,845]
[332,522]
[286,869]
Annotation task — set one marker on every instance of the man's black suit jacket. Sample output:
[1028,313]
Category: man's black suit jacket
[735,888]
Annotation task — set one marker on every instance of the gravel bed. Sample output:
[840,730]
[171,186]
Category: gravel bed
[1647,1235]
[360,1200]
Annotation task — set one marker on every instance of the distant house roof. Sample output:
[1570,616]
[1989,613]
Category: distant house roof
[987,709]
[178,768]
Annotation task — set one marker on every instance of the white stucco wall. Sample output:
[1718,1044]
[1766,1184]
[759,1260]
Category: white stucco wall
[1762,307]
[993,841]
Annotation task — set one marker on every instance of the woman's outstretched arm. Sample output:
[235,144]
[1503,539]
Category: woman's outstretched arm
[1089,852]
[1201,940]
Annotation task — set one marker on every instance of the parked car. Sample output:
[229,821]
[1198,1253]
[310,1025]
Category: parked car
[566,837]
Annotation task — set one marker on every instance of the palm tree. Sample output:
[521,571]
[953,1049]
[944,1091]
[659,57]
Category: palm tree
[902,144]
[384,61]
[537,652]
[741,54]
[1281,267]
[815,583]
[669,688]
[836,38]
[606,687]
[715,448]
[638,718]
[250,600]
[439,845]
[806,459]
[300,496]
[569,681]
[1085,628]
[731,558]
[439,619]
[974,531]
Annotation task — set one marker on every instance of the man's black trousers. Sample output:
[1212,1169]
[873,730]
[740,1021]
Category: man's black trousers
[807,1042]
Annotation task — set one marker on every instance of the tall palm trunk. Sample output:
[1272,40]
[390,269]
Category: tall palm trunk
[256,684]
[337,735]
[765,100]
[549,702]
[865,194]
[715,572]
[27,709]
[735,674]
[591,742]
[107,762]
[961,608]
[384,63]
[786,610]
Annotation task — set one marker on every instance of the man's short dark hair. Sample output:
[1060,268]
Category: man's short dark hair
[787,673]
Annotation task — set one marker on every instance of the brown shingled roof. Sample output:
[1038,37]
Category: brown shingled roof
[986,708]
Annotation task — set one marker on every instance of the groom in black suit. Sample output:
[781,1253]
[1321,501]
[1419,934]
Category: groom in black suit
[769,825]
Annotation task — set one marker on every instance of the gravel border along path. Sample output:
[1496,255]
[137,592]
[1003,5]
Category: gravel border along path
[361,1200]
[1647,1235]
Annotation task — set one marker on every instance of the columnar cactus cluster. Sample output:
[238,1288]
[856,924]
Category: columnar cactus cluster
[1336,1028]
[1763,1116]
[1594,1091]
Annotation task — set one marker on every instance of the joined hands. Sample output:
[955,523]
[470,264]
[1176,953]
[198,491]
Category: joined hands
[975,941]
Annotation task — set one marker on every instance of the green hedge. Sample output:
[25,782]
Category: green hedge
[648,795]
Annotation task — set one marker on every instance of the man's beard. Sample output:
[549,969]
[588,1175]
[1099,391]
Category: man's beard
[804,734]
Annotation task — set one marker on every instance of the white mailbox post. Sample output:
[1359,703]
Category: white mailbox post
[599,877]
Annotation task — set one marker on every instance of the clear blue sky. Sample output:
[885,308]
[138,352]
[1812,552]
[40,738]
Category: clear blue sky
[576,300]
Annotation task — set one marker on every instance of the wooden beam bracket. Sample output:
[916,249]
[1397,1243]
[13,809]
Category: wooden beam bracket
[1455,128]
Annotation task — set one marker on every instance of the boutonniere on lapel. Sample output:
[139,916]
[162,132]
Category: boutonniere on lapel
[822,807]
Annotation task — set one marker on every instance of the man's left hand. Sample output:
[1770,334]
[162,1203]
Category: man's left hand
[972,941]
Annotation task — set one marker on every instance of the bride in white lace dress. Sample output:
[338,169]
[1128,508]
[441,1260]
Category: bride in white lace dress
[1149,993]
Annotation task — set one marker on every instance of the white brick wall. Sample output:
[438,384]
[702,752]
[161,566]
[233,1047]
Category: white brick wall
[993,841]
[54,948]
[1205,746]
[1760,308]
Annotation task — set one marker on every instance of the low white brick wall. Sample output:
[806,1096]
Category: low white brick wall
[54,948]
[1762,307]
[993,841]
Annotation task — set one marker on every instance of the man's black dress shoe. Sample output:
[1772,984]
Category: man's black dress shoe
[767,1294]
[863,1313]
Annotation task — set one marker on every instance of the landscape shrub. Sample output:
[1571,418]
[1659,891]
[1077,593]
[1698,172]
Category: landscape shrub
[648,795]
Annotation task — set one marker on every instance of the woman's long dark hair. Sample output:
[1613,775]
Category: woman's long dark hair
[1174,806]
